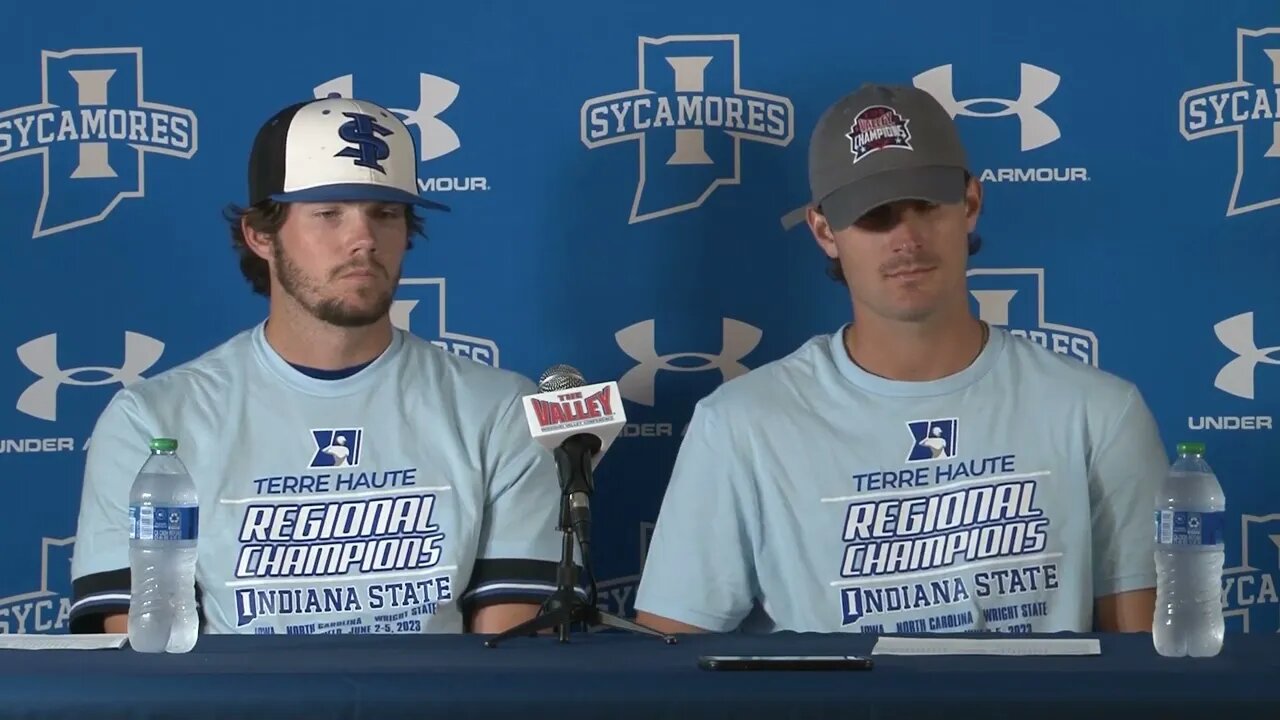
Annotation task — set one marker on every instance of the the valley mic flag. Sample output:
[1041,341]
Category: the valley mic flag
[560,414]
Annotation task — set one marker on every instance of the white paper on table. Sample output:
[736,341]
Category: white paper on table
[63,642]
[982,646]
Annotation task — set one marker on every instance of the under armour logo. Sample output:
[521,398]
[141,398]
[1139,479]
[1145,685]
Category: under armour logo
[362,132]
[636,385]
[1037,85]
[40,356]
[1236,377]
[435,95]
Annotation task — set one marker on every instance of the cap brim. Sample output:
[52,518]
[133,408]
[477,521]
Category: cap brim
[845,206]
[795,217]
[356,192]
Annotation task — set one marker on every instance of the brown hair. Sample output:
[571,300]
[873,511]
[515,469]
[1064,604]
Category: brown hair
[267,217]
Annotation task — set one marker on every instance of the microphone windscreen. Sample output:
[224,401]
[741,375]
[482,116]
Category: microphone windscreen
[560,377]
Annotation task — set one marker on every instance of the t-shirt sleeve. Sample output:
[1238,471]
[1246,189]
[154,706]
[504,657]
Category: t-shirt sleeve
[699,569]
[519,549]
[100,582]
[1126,468]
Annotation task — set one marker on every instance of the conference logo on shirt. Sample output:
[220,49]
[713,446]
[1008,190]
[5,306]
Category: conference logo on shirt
[1013,298]
[47,609]
[933,439]
[336,448]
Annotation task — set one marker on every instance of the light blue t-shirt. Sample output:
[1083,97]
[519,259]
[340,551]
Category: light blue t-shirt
[392,500]
[811,495]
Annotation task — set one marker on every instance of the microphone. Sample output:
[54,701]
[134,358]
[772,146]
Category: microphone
[577,423]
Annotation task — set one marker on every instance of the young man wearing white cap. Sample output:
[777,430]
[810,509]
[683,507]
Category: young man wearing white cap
[352,477]
[916,471]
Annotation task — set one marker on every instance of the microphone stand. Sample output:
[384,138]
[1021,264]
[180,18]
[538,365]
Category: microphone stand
[566,606]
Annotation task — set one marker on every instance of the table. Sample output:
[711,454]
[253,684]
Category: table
[620,676]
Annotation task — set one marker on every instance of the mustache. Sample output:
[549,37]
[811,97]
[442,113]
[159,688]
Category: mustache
[919,261]
[371,265]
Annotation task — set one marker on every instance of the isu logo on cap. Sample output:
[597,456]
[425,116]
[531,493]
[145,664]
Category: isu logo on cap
[368,149]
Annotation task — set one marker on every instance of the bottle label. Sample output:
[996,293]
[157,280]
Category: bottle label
[1185,527]
[152,522]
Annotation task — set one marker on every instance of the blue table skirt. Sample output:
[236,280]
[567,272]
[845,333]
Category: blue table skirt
[620,676]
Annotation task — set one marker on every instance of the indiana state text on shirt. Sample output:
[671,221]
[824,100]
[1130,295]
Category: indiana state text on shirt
[341,542]
[965,541]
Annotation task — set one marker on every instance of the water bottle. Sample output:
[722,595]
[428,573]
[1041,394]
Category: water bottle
[1190,510]
[164,520]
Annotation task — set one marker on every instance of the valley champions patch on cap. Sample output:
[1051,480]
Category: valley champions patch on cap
[877,145]
[335,149]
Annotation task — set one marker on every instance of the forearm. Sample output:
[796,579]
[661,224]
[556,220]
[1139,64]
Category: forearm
[494,619]
[1125,612]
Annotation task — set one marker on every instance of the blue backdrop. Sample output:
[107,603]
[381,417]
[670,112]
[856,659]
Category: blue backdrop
[1130,151]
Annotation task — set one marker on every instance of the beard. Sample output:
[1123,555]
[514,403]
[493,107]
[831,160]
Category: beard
[341,312]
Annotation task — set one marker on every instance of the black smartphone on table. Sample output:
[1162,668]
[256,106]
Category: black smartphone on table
[785,662]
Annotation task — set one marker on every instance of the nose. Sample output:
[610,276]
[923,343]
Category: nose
[908,233]
[358,232]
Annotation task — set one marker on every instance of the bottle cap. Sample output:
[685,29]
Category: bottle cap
[164,444]
[1190,448]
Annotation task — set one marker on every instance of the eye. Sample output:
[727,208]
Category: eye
[879,218]
[327,213]
[884,218]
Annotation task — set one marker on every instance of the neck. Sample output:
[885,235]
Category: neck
[915,351]
[302,339]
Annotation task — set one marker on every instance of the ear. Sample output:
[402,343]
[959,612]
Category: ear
[822,232]
[259,243]
[973,203]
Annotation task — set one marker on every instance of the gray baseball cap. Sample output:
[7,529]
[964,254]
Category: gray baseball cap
[879,144]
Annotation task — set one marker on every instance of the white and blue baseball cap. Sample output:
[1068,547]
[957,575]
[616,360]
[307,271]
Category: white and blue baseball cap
[335,149]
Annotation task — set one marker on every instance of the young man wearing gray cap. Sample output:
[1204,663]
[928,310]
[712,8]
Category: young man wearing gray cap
[352,477]
[917,470]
